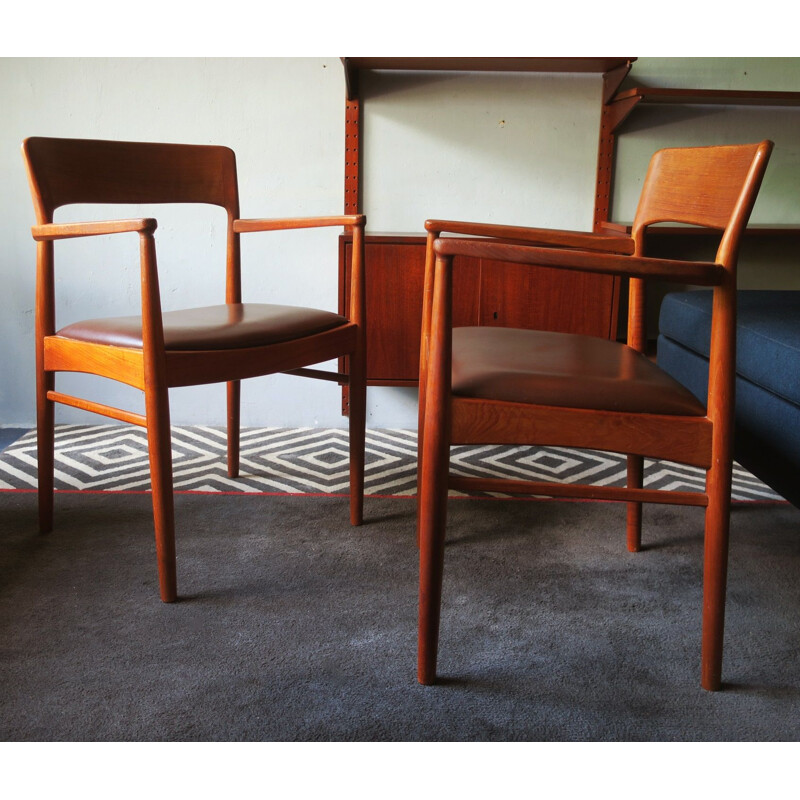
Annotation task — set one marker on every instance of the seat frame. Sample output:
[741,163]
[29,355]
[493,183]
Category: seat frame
[712,187]
[63,172]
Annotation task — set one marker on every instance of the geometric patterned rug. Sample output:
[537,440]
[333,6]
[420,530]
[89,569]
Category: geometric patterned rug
[314,461]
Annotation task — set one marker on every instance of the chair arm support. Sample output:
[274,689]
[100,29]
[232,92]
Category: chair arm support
[290,223]
[52,231]
[698,273]
[612,241]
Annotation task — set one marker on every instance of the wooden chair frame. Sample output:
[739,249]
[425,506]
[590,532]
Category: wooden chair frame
[67,171]
[712,187]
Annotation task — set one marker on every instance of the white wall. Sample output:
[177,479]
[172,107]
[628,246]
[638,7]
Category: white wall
[515,149]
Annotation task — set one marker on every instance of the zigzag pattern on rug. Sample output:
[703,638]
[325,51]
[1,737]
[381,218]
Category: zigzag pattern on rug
[315,461]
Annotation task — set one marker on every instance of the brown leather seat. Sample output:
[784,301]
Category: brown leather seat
[211,328]
[565,370]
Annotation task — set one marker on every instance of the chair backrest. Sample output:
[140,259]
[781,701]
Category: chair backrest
[65,171]
[713,187]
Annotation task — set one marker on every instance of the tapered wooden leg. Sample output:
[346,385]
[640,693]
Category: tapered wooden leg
[433,475]
[234,424]
[425,335]
[160,447]
[420,443]
[358,421]
[715,574]
[432,521]
[45,435]
[634,528]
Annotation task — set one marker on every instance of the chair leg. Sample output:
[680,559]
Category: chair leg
[234,425]
[45,444]
[431,521]
[159,443]
[358,422]
[634,528]
[420,443]
[715,575]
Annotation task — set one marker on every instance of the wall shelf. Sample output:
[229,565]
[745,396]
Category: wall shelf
[353,66]
[624,102]
[752,231]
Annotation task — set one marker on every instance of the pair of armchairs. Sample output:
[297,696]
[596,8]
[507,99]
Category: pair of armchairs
[477,385]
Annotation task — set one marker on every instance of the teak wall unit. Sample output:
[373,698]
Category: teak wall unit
[488,293]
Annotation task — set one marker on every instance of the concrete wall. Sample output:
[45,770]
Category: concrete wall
[515,149]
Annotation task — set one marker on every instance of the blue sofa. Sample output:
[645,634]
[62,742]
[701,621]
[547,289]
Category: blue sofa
[767,440]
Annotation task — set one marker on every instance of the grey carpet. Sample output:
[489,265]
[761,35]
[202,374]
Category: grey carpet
[294,626]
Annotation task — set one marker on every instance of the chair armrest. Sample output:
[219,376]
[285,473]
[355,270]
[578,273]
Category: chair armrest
[290,223]
[615,240]
[69,230]
[698,273]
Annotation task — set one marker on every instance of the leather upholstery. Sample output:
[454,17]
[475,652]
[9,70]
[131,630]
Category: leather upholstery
[222,327]
[564,370]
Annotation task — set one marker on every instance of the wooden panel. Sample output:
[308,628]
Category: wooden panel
[484,293]
[195,367]
[541,298]
[683,439]
[727,97]
[352,65]
[119,363]
[394,275]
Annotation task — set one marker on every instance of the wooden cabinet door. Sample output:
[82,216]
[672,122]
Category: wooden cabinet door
[542,298]
[484,293]
[394,278]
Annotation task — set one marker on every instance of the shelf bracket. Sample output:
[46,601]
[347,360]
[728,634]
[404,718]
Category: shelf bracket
[612,80]
[350,79]
[620,109]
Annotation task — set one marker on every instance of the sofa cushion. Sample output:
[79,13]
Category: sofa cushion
[767,440]
[768,334]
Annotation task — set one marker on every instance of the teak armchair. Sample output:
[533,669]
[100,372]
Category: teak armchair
[156,351]
[494,385]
